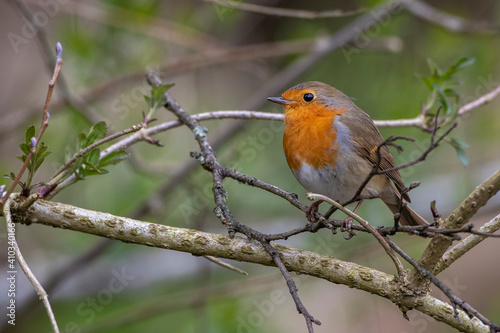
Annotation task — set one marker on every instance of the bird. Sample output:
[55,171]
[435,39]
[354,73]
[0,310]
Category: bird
[332,146]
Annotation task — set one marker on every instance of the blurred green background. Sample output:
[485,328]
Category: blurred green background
[110,45]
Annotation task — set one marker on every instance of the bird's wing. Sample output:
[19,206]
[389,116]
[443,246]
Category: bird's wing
[368,138]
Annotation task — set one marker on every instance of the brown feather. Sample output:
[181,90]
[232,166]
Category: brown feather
[368,137]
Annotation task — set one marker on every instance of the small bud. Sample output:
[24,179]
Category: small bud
[414,184]
[33,143]
[59,50]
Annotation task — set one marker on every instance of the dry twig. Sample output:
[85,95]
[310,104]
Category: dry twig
[286,12]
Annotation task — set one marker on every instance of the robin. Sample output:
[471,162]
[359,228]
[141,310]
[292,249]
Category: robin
[331,146]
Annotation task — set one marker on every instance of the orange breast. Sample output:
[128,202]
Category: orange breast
[310,136]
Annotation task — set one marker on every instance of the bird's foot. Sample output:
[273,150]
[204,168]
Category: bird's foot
[312,210]
[347,227]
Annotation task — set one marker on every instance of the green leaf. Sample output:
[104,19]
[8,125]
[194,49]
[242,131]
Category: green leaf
[459,65]
[158,92]
[442,99]
[25,148]
[93,156]
[91,170]
[80,141]
[462,155]
[113,158]
[459,146]
[435,71]
[40,157]
[456,142]
[96,132]
[67,154]
[427,82]
[157,99]
[10,176]
[30,132]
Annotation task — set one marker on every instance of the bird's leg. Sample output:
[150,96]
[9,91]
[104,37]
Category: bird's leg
[347,223]
[312,210]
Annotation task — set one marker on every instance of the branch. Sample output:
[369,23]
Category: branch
[459,249]
[199,243]
[479,102]
[84,151]
[26,269]
[209,162]
[46,48]
[43,125]
[446,20]
[458,218]
[455,300]
[274,11]
[364,223]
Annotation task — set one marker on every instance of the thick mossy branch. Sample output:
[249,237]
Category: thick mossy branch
[400,292]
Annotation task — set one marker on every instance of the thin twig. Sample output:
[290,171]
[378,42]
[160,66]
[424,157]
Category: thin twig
[381,239]
[43,125]
[26,269]
[292,287]
[84,151]
[286,12]
[455,300]
[209,162]
[46,49]
[457,219]
[479,102]
[225,265]
[446,20]
[459,249]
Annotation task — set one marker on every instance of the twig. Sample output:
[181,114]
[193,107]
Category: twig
[84,151]
[46,49]
[209,162]
[381,239]
[446,20]
[325,46]
[225,264]
[274,11]
[149,25]
[43,125]
[433,145]
[459,249]
[455,300]
[479,102]
[457,219]
[199,243]
[292,287]
[179,300]
[26,269]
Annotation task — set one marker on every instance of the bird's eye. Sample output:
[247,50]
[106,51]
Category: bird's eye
[308,97]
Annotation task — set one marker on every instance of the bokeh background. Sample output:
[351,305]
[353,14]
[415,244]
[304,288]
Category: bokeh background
[220,59]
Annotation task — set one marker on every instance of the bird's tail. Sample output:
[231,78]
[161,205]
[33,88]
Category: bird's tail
[408,216]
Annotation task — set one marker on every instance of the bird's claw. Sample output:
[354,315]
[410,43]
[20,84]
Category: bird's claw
[312,210]
[347,227]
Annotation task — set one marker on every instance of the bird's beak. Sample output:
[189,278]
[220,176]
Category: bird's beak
[279,100]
